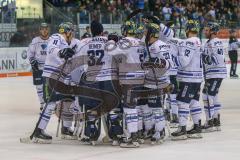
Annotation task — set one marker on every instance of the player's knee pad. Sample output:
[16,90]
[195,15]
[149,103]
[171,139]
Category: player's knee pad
[183,113]
[195,111]
[147,117]
[92,126]
[114,119]
[158,118]
[131,120]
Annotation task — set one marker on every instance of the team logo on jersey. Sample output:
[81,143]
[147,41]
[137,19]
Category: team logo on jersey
[43,46]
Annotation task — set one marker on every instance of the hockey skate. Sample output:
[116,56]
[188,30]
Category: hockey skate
[195,132]
[208,127]
[67,133]
[158,137]
[141,137]
[217,123]
[39,137]
[131,143]
[180,134]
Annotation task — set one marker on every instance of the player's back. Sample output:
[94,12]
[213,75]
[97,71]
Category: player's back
[128,55]
[215,49]
[100,66]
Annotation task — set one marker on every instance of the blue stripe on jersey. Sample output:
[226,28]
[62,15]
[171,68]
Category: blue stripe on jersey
[166,31]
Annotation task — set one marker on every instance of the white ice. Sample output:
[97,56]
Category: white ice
[19,109]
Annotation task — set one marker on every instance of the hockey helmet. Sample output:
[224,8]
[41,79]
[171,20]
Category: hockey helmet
[192,25]
[214,27]
[65,27]
[129,27]
[153,29]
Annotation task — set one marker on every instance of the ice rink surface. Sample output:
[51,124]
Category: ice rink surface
[19,110]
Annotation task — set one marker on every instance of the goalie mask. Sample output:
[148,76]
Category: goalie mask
[152,30]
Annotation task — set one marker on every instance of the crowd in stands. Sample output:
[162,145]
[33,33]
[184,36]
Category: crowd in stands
[227,12]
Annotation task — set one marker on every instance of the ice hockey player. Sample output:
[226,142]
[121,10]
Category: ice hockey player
[190,76]
[174,43]
[101,74]
[215,72]
[61,46]
[233,46]
[37,52]
[159,53]
[128,53]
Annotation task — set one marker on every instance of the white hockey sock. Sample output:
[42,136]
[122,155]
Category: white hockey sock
[140,117]
[67,124]
[147,117]
[173,102]
[208,106]
[195,110]
[131,119]
[40,93]
[183,113]
[45,117]
[158,118]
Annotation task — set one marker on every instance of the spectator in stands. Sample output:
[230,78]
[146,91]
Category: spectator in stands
[87,34]
[167,12]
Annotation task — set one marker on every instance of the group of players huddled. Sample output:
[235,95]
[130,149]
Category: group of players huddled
[132,85]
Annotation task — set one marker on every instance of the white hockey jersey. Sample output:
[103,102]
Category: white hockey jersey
[165,33]
[189,61]
[129,60]
[100,66]
[215,49]
[37,50]
[54,64]
[174,51]
[161,50]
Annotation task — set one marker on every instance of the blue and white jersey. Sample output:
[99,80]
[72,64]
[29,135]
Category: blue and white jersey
[165,33]
[53,65]
[215,49]
[128,59]
[189,61]
[161,50]
[99,64]
[37,50]
[174,51]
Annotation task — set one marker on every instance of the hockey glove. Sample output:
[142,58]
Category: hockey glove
[66,53]
[34,64]
[155,63]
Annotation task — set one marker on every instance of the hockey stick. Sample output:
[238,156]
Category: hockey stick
[59,118]
[29,139]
